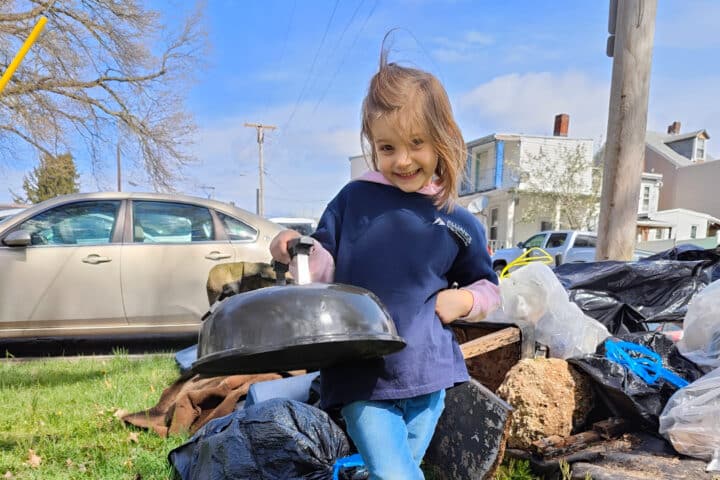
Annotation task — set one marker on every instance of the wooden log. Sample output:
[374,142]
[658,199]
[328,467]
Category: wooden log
[555,445]
[488,343]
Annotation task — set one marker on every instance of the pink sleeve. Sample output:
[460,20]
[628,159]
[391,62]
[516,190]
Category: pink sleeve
[486,299]
[322,265]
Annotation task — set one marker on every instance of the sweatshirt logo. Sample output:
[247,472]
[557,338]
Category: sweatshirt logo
[456,229]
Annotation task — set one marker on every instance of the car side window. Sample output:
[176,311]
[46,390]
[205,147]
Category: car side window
[82,223]
[167,222]
[534,241]
[556,240]
[585,241]
[236,229]
[580,241]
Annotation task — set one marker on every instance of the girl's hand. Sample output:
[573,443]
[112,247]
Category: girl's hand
[278,246]
[452,304]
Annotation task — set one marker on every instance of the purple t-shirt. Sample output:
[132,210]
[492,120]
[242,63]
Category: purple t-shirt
[402,248]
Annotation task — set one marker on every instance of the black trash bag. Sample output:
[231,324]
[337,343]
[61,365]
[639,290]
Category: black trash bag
[692,252]
[275,439]
[626,394]
[625,296]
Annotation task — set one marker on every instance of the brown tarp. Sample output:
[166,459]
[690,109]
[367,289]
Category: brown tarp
[190,403]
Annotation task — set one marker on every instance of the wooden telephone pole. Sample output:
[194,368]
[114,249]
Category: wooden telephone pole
[260,140]
[633,23]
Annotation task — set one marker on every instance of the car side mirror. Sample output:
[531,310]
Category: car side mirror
[18,238]
[521,245]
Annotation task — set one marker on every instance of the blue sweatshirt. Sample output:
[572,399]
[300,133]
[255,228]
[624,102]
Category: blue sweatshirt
[402,248]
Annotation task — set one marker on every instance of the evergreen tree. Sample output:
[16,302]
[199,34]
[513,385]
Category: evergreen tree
[54,176]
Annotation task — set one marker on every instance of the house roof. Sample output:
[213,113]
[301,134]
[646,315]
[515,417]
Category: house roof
[644,222]
[686,211]
[684,136]
[659,143]
[656,141]
[517,136]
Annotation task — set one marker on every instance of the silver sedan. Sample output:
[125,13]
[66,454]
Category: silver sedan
[109,263]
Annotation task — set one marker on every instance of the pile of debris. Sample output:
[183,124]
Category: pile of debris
[632,402]
[571,370]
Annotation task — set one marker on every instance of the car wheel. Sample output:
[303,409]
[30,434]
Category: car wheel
[498,267]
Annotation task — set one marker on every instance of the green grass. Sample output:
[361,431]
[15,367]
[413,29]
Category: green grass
[63,410]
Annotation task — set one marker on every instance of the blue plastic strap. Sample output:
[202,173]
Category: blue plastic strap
[347,462]
[642,361]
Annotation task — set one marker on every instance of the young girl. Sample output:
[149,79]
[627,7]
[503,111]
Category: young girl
[397,232]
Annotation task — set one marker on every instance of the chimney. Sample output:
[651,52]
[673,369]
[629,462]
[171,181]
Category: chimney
[562,123]
[674,128]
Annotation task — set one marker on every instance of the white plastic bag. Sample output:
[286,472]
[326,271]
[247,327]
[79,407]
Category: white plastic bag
[691,420]
[700,342]
[534,294]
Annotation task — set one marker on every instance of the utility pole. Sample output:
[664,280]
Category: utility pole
[633,24]
[260,140]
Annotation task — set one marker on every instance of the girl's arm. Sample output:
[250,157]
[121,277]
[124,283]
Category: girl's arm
[471,303]
[486,299]
[479,294]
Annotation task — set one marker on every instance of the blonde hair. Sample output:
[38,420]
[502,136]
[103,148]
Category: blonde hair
[413,101]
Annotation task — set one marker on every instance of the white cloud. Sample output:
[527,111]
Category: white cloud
[527,103]
[466,47]
[479,38]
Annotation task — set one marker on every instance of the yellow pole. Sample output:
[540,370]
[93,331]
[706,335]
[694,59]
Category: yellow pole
[21,54]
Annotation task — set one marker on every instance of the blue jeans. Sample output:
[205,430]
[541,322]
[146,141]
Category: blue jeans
[392,435]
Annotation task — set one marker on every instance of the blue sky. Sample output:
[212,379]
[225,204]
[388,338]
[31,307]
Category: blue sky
[508,67]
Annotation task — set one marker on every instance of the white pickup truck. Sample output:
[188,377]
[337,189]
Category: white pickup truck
[563,245]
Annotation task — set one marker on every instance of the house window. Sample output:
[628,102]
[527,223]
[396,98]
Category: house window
[545,225]
[646,198]
[700,149]
[693,231]
[493,223]
[483,171]
[658,233]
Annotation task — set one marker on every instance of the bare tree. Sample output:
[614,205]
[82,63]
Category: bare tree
[565,185]
[101,72]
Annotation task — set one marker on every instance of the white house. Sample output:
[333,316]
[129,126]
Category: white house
[502,166]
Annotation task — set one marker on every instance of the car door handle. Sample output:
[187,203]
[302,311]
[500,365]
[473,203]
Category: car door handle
[95,259]
[217,255]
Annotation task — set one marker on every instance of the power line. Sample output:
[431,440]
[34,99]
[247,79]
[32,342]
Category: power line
[312,66]
[337,43]
[287,33]
[347,52]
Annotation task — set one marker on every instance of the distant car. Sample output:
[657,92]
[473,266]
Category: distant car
[564,246]
[569,245]
[305,226]
[109,263]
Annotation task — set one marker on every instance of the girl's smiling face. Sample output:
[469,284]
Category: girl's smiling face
[407,163]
